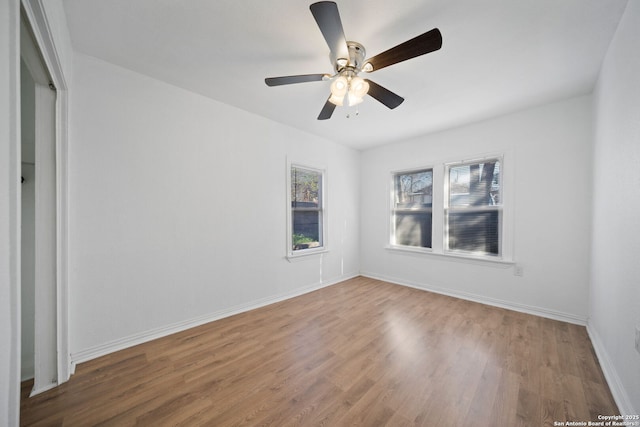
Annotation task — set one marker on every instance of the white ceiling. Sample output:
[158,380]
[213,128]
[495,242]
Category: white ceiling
[497,55]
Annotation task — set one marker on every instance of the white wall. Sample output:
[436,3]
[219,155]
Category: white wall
[549,148]
[615,271]
[9,210]
[177,208]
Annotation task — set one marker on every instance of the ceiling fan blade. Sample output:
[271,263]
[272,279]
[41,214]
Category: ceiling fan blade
[287,80]
[327,110]
[384,95]
[328,18]
[424,43]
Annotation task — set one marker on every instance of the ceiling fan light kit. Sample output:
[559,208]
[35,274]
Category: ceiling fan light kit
[354,87]
[348,58]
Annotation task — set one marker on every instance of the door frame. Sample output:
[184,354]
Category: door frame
[36,16]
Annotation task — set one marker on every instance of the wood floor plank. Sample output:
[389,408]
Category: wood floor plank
[504,411]
[598,398]
[342,403]
[528,408]
[362,352]
[552,413]
[484,396]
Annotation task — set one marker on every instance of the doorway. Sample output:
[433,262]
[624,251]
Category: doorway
[39,256]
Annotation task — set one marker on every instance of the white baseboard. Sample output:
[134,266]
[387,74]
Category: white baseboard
[509,305]
[611,375]
[132,340]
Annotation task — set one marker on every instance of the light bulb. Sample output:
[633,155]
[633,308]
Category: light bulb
[339,89]
[358,87]
[339,85]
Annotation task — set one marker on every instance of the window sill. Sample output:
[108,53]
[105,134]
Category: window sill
[306,254]
[468,259]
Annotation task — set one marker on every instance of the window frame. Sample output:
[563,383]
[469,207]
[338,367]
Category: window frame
[447,209]
[322,211]
[392,207]
[440,200]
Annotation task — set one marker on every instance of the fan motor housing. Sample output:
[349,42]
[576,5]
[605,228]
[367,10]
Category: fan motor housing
[357,53]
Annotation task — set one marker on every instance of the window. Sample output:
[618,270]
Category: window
[473,211]
[412,208]
[453,209]
[307,212]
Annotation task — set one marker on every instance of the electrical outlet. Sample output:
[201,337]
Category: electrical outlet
[638,339]
[518,270]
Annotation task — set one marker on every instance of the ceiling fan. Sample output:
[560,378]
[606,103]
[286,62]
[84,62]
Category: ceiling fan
[348,58]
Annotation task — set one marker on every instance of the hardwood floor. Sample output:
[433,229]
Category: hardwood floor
[360,352]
